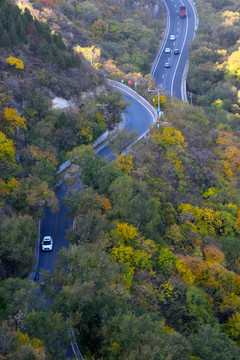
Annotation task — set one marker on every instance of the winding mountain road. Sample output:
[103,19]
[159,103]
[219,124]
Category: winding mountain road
[140,115]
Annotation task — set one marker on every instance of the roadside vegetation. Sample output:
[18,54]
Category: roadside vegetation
[214,77]
[153,267]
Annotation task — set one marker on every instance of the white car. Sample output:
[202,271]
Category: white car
[172,37]
[47,243]
[167,50]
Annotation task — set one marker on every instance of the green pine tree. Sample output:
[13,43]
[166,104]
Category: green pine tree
[5,40]
[1,28]
[27,15]
[13,35]
[21,31]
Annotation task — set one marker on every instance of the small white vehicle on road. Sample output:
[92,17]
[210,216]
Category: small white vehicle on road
[172,37]
[167,50]
[47,243]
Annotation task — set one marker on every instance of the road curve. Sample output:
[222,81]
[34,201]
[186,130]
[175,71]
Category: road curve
[140,115]
[139,118]
[171,79]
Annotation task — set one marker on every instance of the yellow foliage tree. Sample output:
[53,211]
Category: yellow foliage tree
[177,163]
[185,273]
[15,62]
[100,120]
[100,28]
[131,259]
[212,255]
[232,327]
[7,149]
[12,117]
[92,54]
[7,187]
[125,234]
[86,133]
[198,268]
[137,259]
[233,63]
[127,249]
[211,192]
[125,163]
[229,151]
[172,143]
[175,236]
[206,220]
[238,219]
[230,17]
[166,291]
[23,339]
[169,136]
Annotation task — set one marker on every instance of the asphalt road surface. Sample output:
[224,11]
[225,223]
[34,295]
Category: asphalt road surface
[56,225]
[170,79]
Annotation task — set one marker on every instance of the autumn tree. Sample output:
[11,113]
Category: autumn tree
[99,28]
[125,163]
[42,164]
[15,62]
[51,329]
[122,140]
[92,54]
[32,195]
[18,238]
[17,345]
[13,119]
[112,106]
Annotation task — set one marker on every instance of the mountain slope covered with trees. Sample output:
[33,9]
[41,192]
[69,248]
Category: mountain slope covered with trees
[153,267]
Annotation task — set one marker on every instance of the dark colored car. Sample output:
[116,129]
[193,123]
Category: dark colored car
[176,52]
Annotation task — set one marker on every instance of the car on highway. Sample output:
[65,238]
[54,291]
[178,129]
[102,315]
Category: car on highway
[167,50]
[167,65]
[47,243]
[176,51]
[172,37]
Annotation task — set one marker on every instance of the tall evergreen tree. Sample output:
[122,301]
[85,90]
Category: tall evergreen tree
[13,34]
[1,28]
[21,31]
[5,40]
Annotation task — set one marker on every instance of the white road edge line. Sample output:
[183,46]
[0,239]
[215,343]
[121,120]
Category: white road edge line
[185,37]
[155,64]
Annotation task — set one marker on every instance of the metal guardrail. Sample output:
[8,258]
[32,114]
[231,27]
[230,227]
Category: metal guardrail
[144,102]
[74,345]
[128,90]
[184,78]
